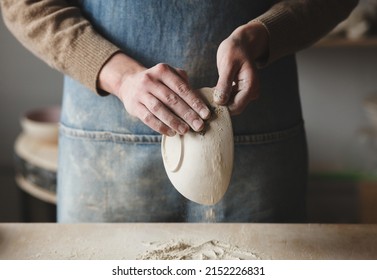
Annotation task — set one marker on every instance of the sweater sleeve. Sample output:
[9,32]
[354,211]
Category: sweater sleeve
[56,32]
[293,25]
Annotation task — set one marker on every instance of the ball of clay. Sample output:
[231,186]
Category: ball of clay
[199,164]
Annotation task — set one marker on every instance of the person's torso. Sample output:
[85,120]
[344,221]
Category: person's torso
[184,34]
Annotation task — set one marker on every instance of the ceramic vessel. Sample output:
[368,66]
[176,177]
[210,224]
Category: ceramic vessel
[199,165]
[42,123]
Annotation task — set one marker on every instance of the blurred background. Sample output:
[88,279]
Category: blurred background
[338,84]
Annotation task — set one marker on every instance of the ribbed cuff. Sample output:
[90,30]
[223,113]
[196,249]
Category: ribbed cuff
[279,25]
[87,57]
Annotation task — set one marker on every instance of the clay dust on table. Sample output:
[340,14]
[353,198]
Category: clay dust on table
[210,250]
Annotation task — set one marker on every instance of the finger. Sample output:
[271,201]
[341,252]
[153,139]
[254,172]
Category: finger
[223,89]
[175,106]
[178,85]
[161,112]
[150,120]
[183,74]
[179,108]
[247,89]
[255,84]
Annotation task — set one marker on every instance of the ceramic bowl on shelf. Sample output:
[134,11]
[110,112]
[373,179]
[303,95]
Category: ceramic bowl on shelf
[199,165]
[42,123]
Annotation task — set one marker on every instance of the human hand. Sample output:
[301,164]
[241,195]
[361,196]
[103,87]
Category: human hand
[160,97]
[238,82]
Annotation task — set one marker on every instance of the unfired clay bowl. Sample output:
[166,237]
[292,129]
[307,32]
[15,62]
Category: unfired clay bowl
[42,123]
[199,165]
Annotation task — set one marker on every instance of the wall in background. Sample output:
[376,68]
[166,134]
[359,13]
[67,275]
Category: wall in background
[334,83]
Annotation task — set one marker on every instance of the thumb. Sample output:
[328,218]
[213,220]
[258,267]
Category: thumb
[223,89]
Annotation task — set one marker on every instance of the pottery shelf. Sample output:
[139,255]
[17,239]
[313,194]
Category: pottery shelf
[341,42]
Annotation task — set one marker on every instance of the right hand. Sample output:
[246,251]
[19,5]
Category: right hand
[161,98]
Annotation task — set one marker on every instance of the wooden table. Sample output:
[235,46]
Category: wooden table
[128,241]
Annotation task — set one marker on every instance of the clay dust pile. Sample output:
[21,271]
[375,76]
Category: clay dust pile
[210,250]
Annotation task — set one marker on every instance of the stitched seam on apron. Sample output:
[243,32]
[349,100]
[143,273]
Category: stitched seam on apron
[265,138]
[108,136]
[261,138]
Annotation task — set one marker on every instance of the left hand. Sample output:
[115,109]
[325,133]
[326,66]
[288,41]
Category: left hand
[238,82]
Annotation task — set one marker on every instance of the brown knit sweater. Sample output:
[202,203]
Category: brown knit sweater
[57,32]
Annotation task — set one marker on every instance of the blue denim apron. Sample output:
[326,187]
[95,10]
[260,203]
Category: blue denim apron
[110,165]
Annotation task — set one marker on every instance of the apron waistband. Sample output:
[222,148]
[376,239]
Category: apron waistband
[260,138]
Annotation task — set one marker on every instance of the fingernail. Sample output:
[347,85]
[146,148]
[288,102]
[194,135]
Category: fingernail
[197,124]
[204,113]
[182,129]
[171,133]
